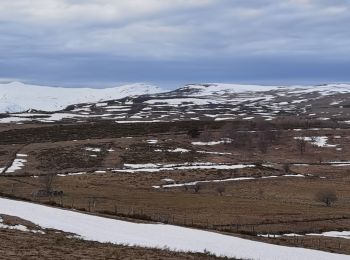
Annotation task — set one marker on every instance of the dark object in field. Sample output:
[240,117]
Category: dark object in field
[220,189]
[327,197]
[301,145]
[193,133]
[286,167]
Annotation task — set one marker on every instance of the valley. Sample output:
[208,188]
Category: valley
[263,165]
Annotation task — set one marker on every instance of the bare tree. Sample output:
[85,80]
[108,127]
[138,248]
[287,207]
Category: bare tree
[220,189]
[262,143]
[242,140]
[260,193]
[262,125]
[327,196]
[48,180]
[193,133]
[173,132]
[301,145]
[227,131]
[206,135]
[197,187]
[47,190]
[320,159]
[286,167]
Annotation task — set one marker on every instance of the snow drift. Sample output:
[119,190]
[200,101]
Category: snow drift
[101,229]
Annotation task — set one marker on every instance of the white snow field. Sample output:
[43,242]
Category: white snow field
[224,88]
[337,234]
[192,183]
[19,97]
[157,167]
[175,238]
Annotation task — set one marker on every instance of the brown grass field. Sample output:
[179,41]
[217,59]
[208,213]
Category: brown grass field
[245,208]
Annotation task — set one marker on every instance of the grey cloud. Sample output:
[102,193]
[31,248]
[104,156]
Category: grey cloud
[162,40]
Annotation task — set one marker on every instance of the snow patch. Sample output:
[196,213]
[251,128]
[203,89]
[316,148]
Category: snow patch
[175,238]
[222,141]
[151,167]
[320,141]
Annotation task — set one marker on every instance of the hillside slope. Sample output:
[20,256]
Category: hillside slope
[139,102]
[156,235]
[19,97]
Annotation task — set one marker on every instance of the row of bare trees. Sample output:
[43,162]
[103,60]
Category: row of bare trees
[262,138]
[238,138]
[326,196]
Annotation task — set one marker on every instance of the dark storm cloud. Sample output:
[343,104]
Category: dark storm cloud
[100,42]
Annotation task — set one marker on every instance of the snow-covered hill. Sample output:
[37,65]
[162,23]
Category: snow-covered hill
[139,102]
[222,88]
[19,97]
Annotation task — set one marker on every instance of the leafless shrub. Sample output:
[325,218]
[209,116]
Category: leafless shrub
[259,164]
[220,189]
[206,135]
[260,193]
[320,159]
[48,181]
[327,197]
[286,167]
[301,145]
[197,187]
[262,143]
[193,133]
[227,131]
[234,172]
[242,140]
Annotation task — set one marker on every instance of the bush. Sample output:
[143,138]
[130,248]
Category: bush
[301,145]
[220,189]
[193,133]
[326,196]
[286,167]
[197,187]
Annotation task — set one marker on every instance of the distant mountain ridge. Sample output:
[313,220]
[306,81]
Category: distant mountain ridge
[18,97]
[147,103]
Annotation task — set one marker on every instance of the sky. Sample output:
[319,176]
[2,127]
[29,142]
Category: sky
[102,43]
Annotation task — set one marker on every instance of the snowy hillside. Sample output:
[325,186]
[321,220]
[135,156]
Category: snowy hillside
[19,97]
[175,238]
[214,101]
[223,88]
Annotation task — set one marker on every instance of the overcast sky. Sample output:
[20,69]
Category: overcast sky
[171,42]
